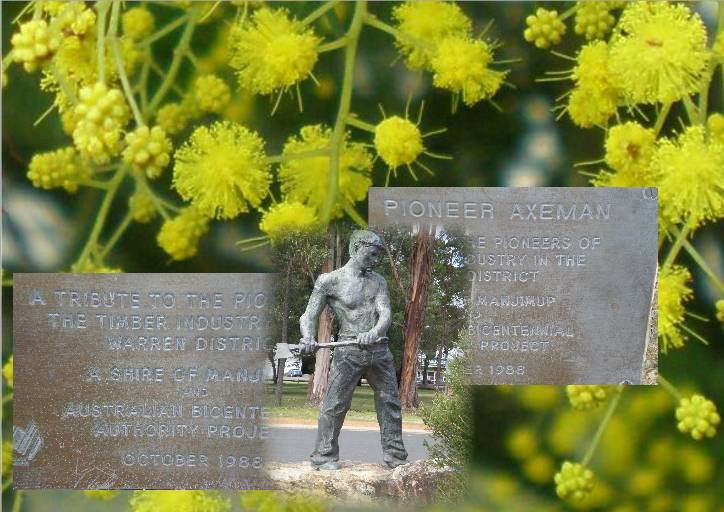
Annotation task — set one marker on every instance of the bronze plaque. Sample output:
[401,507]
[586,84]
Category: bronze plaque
[151,381]
[561,279]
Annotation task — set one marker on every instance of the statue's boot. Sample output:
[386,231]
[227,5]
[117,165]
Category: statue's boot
[327,466]
[393,463]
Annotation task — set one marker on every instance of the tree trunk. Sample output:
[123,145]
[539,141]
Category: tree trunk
[285,333]
[445,352]
[270,355]
[310,387]
[424,371]
[318,384]
[438,357]
[281,363]
[322,361]
[420,272]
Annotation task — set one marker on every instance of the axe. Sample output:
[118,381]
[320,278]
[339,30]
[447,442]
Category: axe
[331,344]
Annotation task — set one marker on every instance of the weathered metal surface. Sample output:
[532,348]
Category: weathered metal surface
[561,278]
[140,380]
[359,298]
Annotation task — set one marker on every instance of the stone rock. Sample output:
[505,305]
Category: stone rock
[361,482]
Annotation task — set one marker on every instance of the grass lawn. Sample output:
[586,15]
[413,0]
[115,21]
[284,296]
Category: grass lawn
[363,403]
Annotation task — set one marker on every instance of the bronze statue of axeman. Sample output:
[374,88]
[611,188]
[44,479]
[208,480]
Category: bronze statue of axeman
[359,298]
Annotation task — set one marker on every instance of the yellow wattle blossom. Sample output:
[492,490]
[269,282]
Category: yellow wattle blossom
[600,498]
[100,494]
[539,468]
[629,149]
[634,176]
[102,114]
[74,18]
[695,465]
[620,443]
[173,118]
[544,28]
[272,51]
[697,417]
[8,371]
[271,501]
[304,179]
[148,150]
[191,105]
[179,501]
[77,61]
[141,206]
[7,455]
[538,398]
[661,502]
[137,23]
[68,120]
[211,93]
[180,236]
[645,481]
[720,310]
[574,481]
[59,168]
[673,291]
[130,56]
[522,442]
[715,124]
[583,397]
[398,141]
[699,502]
[593,19]
[645,408]
[462,66]
[567,432]
[691,168]
[591,71]
[629,145]
[595,98]
[658,52]
[35,44]
[661,453]
[52,7]
[288,217]
[429,22]
[587,109]
[501,487]
[222,169]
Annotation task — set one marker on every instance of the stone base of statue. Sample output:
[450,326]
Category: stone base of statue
[362,482]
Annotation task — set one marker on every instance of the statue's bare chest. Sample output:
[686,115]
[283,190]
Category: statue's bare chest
[354,292]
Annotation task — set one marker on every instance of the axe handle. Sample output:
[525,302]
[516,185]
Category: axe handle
[332,344]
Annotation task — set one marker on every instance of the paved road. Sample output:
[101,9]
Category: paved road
[291,444]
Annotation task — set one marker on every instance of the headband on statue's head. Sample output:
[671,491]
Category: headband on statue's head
[365,237]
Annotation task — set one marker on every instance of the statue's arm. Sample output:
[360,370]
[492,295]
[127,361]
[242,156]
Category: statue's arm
[384,310]
[315,306]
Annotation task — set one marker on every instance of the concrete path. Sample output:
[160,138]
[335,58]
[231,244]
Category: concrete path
[291,443]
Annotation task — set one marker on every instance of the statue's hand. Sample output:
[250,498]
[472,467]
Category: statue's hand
[306,347]
[367,338]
